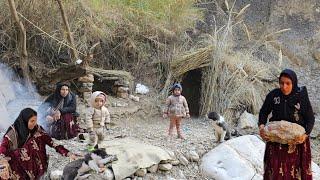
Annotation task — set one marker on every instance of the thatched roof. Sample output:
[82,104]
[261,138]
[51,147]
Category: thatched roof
[197,59]
[231,82]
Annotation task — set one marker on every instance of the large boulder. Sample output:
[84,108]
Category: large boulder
[238,159]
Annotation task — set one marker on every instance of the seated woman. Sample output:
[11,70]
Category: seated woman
[59,109]
[24,148]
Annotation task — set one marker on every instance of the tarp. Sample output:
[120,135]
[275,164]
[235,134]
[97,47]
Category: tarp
[133,155]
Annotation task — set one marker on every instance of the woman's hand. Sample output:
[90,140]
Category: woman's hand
[305,136]
[301,139]
[4,169]
[56,115]
[262,132]
[72,156]
[49,119]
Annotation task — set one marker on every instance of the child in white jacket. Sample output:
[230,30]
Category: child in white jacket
[97,118]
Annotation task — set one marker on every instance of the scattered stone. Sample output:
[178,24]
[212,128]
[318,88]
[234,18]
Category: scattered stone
[181,175]
[165,161]
[175,162]
[316,55]
[89,78]
[171,154]
[85,87]
[137,178]
[165,167]
[108,174]
[183,160]
[196,167]
[193,156]
[134,98]
[201,152]
[121,91]
[141,172]
[56,175]
[153,168]
[119,104]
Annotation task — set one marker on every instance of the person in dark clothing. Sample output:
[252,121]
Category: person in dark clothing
[23,148]
[290,103]
[58,111]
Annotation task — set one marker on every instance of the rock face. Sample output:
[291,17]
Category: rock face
[299,44]
[239,158]
[247,120]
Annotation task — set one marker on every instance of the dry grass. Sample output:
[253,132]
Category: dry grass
[232,81]
[235,81]
[240,83]
[131,31]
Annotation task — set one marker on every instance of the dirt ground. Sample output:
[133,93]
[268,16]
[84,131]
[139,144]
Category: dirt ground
[144,122]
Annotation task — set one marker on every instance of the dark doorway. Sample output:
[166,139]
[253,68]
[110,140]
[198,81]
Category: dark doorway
[191,85]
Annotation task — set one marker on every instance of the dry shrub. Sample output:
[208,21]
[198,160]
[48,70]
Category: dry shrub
[240,82]
[235,80]
[132,32]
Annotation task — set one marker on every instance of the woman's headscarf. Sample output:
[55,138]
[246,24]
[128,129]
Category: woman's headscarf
[57,95]
[94,95]
[58,89]
[21,125]
[292,75]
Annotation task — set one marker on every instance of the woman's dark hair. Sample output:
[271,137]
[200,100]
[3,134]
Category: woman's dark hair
[21,125]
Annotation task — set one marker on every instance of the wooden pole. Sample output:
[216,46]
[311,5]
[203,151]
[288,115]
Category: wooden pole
[74,52]
[22,44]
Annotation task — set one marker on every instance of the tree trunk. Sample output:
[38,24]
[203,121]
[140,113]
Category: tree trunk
[22,44]
[74,53]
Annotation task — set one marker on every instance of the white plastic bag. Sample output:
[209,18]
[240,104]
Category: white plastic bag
[141,89]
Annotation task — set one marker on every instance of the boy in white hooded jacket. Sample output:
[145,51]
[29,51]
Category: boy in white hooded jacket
[97,118]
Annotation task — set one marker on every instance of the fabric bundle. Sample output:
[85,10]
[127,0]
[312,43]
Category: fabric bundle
[285,132]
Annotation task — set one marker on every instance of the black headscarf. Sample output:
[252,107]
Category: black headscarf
[57,95]
[21,125]
[292,75]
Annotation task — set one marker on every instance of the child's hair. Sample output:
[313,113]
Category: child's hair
[213,116]
[176,86]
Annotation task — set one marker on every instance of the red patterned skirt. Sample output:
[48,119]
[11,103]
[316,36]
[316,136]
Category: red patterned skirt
[279,164]
[65,128]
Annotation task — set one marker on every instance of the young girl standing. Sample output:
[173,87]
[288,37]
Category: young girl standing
[97,118]
[176,109]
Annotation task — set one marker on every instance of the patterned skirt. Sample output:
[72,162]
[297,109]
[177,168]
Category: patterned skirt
[282,164]
[65,128]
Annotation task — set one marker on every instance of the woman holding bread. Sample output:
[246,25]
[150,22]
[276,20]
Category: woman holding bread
[288,103]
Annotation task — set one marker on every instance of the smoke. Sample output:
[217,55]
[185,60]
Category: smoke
[14,97]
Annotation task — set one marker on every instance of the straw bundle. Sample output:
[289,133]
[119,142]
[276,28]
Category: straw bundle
[234,83]
[197,59]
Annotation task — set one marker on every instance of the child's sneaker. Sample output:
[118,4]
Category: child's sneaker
[90,148]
